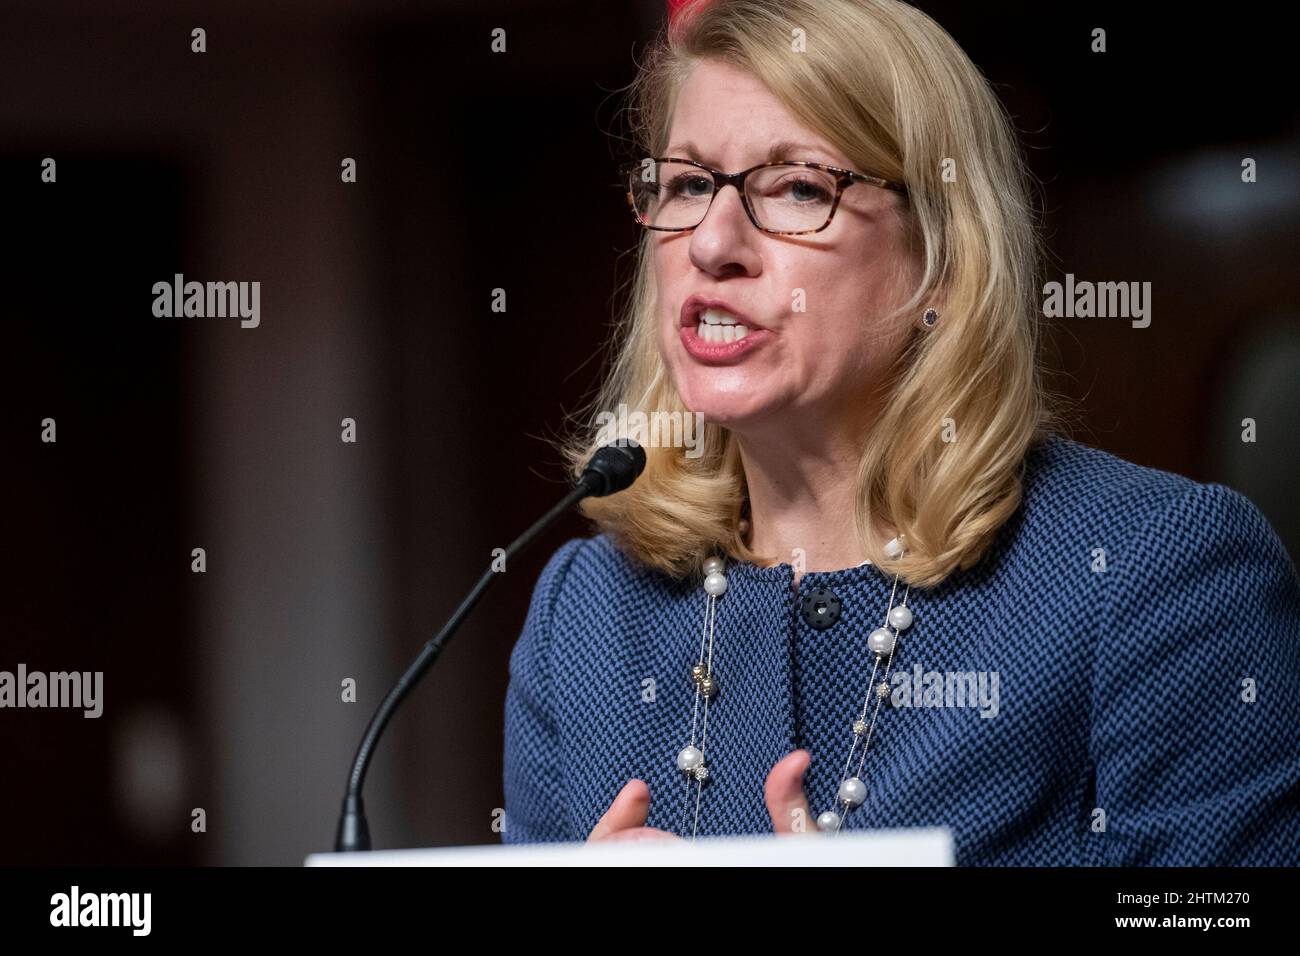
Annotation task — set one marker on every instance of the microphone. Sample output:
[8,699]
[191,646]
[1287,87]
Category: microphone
[611,469]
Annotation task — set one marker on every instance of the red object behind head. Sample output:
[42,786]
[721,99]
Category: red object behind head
[675,7]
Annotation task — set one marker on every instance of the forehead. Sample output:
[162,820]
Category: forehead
[727,116]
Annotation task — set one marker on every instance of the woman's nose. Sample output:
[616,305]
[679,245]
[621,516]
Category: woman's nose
[724,241]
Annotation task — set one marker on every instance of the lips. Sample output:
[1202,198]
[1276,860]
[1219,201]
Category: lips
[715,333]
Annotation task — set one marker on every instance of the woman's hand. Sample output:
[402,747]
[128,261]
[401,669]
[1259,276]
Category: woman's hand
[626,816]
[786,803]
[783,792]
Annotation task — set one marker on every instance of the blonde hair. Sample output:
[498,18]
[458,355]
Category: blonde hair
[892,91]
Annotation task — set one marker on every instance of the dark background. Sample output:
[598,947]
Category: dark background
[329,560]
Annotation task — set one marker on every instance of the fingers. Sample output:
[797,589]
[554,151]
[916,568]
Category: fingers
[629,810]
[784,794]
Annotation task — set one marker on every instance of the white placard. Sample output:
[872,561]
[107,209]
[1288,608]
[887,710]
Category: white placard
[906,847]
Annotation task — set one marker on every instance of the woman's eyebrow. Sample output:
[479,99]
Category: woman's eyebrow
[686,149]
[783,149]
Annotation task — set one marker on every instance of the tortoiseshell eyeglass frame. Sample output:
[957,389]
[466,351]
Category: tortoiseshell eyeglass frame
[844,178]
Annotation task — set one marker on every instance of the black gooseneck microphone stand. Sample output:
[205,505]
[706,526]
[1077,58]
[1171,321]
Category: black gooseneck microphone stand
[613,468]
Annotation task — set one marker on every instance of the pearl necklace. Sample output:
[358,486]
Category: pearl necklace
[852,791]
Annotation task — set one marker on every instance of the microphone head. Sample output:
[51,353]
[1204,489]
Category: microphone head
[614,467]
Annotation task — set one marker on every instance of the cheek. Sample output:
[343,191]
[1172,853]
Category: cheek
[666,278]
[838,295]
[670,272]
[844,331]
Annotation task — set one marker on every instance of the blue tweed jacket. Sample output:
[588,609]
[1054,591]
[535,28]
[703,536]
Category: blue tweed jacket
[1147,713]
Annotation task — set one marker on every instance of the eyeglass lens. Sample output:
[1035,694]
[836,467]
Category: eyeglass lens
[784,198]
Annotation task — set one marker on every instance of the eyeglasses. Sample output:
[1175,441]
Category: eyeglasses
[783,198]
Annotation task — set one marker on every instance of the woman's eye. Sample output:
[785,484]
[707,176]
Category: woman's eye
[692,187]
[804,191]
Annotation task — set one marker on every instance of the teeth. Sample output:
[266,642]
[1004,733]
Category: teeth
[717,317]
[720,334]
[720,327]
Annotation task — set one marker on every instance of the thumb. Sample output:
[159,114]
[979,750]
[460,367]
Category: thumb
[783,792]
[629,809]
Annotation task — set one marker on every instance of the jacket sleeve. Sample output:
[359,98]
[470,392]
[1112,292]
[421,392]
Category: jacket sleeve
[1196,691]
[534,791]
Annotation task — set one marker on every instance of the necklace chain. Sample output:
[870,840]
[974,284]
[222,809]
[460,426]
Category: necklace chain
[852,791]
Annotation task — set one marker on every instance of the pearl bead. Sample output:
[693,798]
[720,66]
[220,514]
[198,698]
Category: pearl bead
[715,585]
[894,549]
[689,759]
[881,641]
[853,791]
[713,566]
[901,617]
[828,822]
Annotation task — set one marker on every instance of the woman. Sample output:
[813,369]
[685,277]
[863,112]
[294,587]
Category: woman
[888,593]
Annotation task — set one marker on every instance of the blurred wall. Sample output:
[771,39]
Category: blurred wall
[329,560]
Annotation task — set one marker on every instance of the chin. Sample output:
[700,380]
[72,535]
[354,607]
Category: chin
[730,396]
[729,409]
